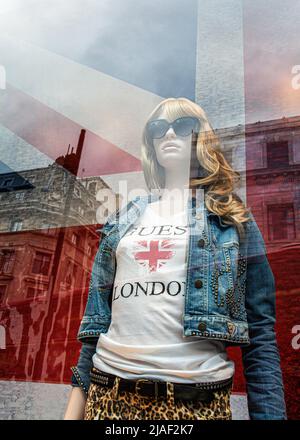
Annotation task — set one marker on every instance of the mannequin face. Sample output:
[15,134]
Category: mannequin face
[173,151]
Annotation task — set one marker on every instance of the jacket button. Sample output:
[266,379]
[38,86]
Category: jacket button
[201,243]
[202,326]
[198,284]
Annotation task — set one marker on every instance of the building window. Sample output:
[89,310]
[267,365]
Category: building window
[75,239]
[281,222]
[71,275]
[16,225]
[277,155]
[33,293]
[31,179]
[20,195]
[2,292]
[41,263]
[7,257]
[7,182]
[49,228]
[77,193]
[89,250]
[81,210]
[92,187]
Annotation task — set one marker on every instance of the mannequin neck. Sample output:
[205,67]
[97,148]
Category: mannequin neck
[176,179]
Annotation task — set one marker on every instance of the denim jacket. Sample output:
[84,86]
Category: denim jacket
[230,296]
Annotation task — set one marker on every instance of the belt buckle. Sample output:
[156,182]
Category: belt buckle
[137,385]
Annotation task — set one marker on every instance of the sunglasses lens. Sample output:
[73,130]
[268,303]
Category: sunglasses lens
[185,126]
[157,129]
[182,127]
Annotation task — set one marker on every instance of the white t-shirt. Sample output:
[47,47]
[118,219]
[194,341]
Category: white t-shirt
[145,338]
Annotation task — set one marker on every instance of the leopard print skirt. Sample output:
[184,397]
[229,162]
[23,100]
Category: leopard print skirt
[105,403]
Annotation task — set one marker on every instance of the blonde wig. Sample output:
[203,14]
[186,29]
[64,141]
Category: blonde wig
[213,173]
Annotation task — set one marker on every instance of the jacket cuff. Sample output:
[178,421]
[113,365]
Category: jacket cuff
[74,381]
[77,381]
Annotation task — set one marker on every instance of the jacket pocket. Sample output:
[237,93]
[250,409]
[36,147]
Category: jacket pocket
[231,259]
[224,274]
[235,295]
[220,279]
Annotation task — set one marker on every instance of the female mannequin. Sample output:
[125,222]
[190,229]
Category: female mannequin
[151,340]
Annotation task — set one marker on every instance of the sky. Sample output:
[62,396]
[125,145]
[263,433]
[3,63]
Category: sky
[271,49]
[135,41]
[139,42]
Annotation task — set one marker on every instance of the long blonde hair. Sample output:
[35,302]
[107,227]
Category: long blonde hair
[217,177]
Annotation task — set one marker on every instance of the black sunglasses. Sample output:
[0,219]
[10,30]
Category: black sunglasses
[182,126]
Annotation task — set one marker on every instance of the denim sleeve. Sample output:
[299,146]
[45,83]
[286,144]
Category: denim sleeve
[261,359]
[81,372]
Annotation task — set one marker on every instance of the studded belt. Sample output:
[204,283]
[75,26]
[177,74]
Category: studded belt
[156,388]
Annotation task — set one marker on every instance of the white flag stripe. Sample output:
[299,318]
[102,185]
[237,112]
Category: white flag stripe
[109,107]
